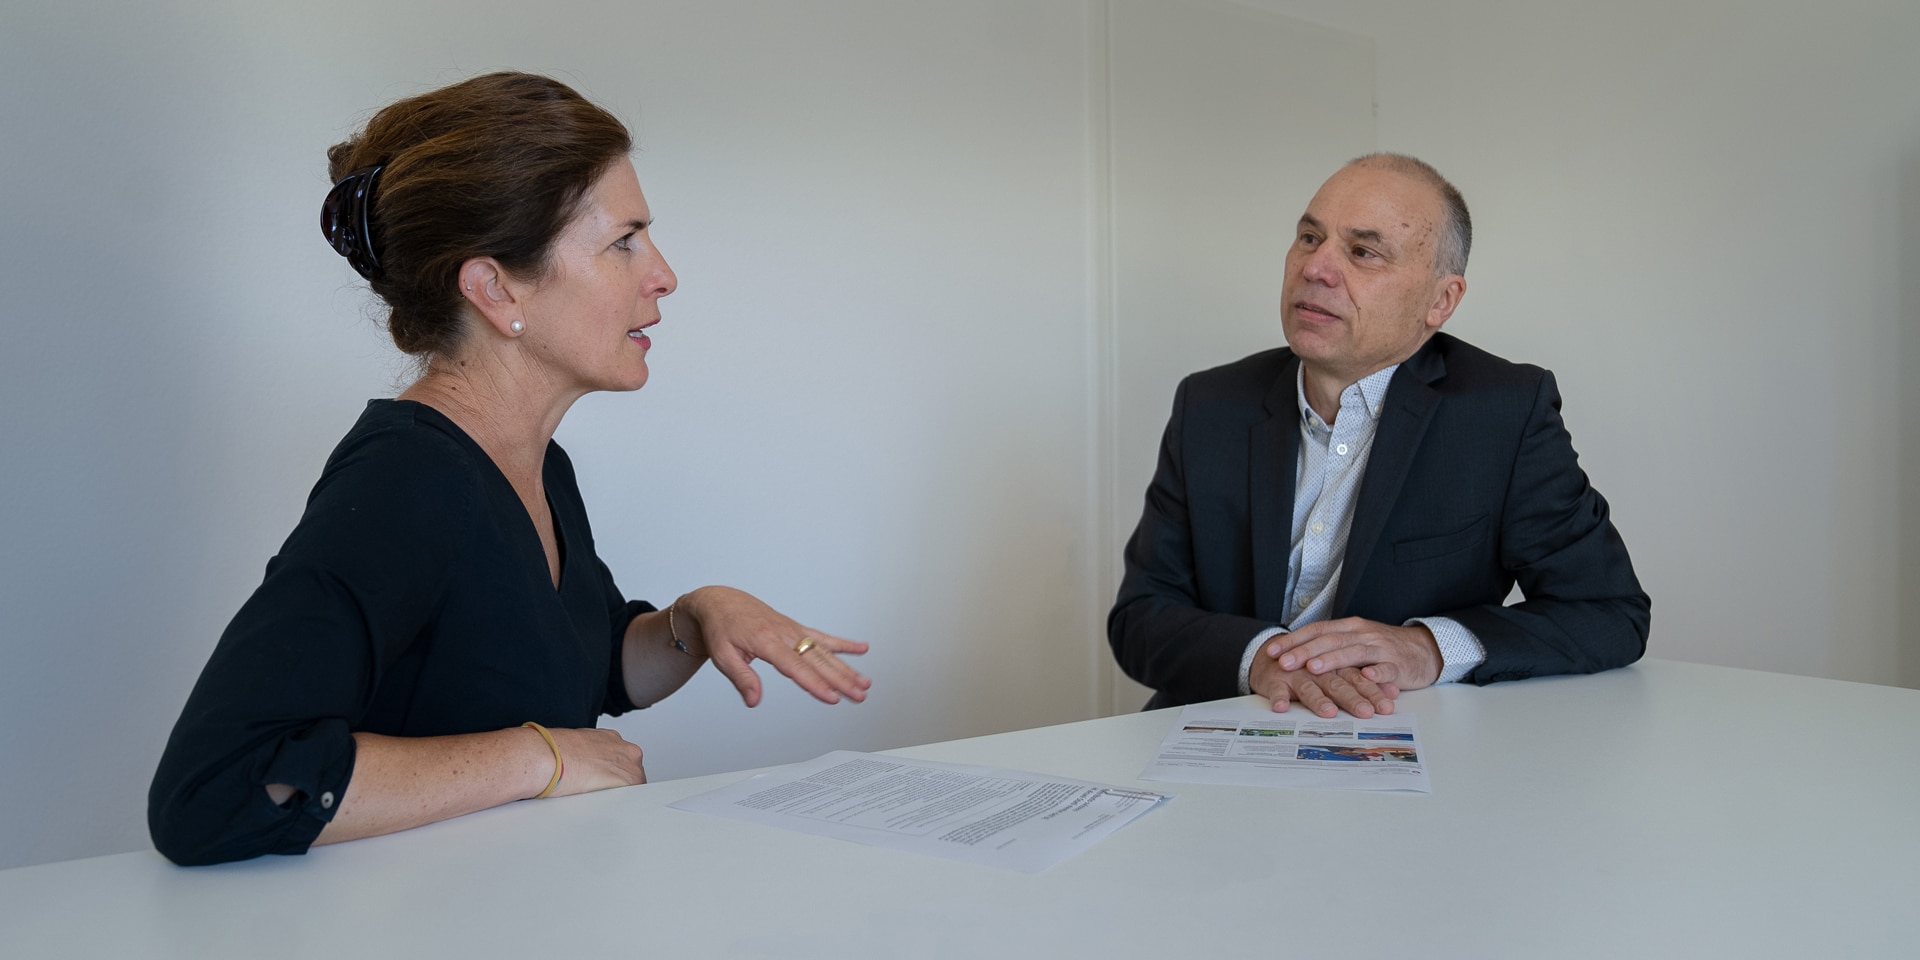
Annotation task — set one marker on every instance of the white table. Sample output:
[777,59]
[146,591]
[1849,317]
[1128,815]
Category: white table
[1665,810]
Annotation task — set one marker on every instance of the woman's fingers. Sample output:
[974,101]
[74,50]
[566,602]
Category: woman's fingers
[824,659]
[841,644]
[739,629]
[736,667]
[820,671]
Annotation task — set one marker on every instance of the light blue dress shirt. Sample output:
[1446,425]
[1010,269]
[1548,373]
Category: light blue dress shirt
[1332,462]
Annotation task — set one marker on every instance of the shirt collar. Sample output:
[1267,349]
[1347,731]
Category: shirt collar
[1373,394]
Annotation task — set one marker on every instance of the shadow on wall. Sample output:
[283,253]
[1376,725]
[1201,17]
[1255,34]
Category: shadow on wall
[1908,580]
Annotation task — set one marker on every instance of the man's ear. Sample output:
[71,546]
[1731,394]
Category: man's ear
[487,287]
[1447,294]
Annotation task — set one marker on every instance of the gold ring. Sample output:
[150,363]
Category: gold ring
[805,644]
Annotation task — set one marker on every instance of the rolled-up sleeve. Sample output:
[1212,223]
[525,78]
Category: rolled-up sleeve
[295,670]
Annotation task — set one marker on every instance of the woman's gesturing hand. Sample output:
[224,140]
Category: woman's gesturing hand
[738,629]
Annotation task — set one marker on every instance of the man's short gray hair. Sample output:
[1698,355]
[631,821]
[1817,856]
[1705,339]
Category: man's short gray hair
[1456,232]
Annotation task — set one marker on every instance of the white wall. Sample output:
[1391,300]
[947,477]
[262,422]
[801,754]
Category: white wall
[1705,217]
[877,397]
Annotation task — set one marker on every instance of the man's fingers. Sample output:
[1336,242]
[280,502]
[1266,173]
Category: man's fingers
[1385,672]
[1305,634]
[1336,656]
[1377,696]
[1328,694]
[1346,694]
[1282,642]
[1317,643]
[1307,690]
[1358,680]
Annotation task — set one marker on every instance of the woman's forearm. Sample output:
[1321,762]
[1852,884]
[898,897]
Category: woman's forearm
[404,782]
[650,663]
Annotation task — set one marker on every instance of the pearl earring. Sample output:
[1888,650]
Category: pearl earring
[517,327]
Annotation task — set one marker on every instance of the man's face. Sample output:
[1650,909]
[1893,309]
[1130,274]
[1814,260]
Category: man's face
[1360,293]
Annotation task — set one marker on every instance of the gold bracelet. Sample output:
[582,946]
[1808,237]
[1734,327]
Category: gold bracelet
[559,763]
[678,644]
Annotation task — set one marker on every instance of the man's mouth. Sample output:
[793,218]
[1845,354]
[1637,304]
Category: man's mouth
[1308,311]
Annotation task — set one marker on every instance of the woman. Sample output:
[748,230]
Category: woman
[437,635]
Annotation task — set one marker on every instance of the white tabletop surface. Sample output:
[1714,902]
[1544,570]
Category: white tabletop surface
[1668,810]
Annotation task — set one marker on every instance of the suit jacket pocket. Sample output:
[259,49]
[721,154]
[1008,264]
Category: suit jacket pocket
[1427,548]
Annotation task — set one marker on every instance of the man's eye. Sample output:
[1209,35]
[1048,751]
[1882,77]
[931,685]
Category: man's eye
[624,243]
[1363,253]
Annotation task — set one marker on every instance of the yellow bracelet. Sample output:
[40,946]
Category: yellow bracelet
[559,763]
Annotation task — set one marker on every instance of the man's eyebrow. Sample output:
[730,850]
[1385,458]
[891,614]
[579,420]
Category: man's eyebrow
[1352,234]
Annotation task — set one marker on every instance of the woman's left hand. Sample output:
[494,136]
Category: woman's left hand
[738,629]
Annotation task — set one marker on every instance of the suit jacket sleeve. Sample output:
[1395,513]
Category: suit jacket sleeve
[1159,634]
[1583,610]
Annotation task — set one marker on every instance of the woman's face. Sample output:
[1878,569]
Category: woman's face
[587,320]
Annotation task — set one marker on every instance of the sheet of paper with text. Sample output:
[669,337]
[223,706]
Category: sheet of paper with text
[1244,743]
[1000,818]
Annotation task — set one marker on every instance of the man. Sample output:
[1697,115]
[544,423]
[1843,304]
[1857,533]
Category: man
[1343,518]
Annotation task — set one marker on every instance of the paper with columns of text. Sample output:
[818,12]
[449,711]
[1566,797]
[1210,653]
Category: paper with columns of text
[1000,818]
[1244,743]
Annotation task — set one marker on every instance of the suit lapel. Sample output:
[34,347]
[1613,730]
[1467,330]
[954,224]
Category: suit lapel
[1409,407]
[1274,449]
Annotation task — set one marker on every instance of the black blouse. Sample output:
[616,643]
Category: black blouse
[414,600]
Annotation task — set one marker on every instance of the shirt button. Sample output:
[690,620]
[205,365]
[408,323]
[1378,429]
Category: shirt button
[1341,449]
[1319,527]
[326,800]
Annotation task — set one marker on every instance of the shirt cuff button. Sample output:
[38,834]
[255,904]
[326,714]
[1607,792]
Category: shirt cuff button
[326,800]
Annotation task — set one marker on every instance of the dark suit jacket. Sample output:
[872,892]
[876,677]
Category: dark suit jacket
[1472,485]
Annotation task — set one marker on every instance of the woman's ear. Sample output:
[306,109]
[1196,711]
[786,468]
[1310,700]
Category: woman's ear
[485,286]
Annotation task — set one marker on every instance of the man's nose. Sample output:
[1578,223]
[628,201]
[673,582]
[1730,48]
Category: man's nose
[1322,266]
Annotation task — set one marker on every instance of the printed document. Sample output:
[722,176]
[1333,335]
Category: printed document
[1244,743]
[999,818]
